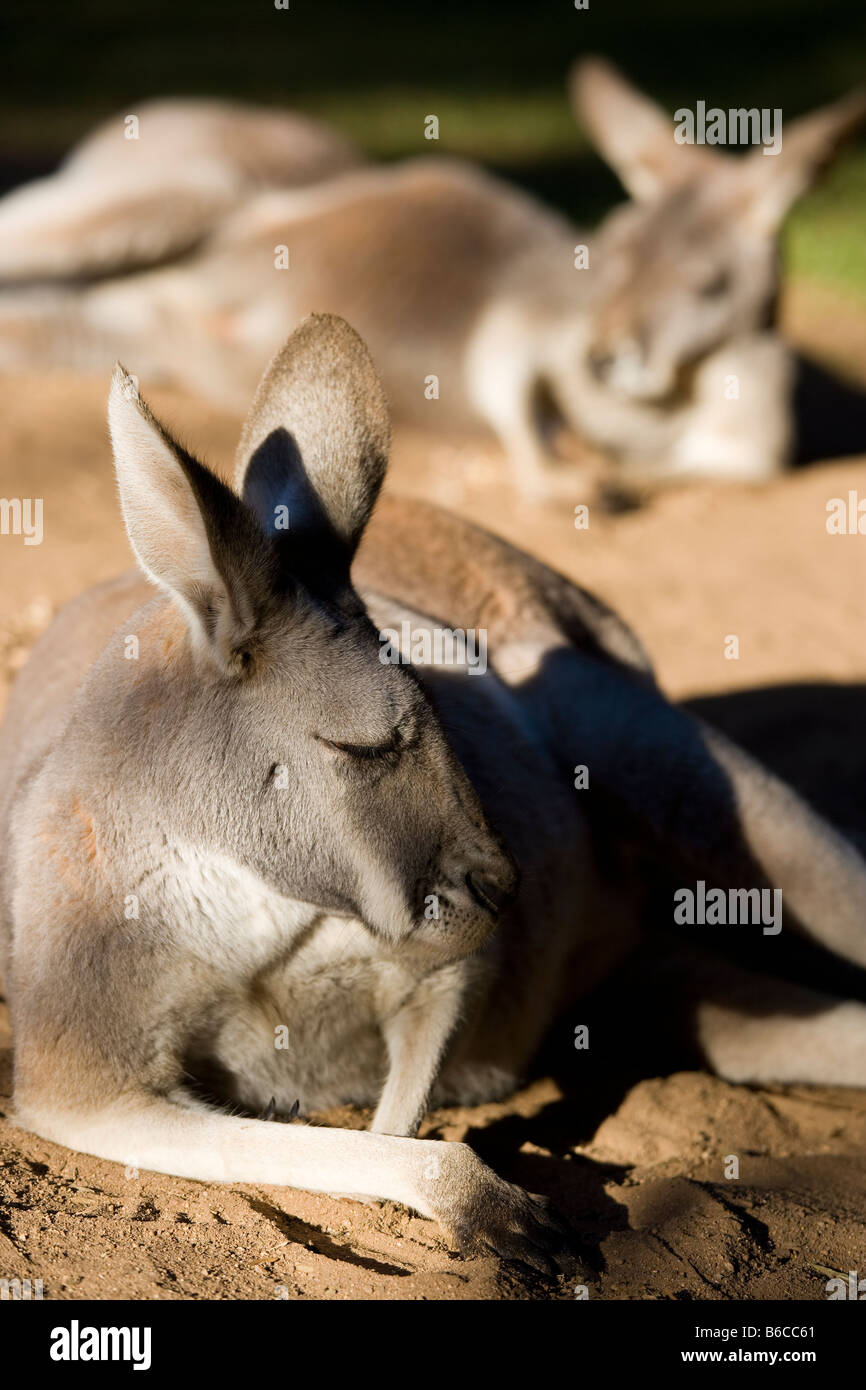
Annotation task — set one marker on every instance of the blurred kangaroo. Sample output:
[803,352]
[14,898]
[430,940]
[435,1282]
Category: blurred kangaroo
[660,352]
[146,187]
[225,818]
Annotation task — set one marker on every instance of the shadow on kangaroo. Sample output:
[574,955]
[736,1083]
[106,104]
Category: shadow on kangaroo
[225,820]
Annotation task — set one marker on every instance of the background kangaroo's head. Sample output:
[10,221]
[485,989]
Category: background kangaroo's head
[693,260]
[301,756]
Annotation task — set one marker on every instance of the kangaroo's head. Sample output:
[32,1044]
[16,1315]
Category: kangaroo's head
[692,261]
[300,754]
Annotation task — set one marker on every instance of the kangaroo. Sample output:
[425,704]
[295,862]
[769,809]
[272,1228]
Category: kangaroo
[661,352]
[224,815]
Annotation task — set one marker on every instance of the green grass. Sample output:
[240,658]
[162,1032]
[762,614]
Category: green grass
[826,236]
[387,121]
[498,128]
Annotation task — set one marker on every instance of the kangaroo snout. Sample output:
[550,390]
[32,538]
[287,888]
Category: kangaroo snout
[624,368]
[493,894]
[634,366]
[489,876]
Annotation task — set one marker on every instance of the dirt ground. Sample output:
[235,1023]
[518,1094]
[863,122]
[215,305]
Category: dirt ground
[638,1164]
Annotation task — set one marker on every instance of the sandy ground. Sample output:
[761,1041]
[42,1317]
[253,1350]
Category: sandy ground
[636,1161]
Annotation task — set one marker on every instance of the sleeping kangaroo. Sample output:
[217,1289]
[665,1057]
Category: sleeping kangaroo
[224,815]
[660,351]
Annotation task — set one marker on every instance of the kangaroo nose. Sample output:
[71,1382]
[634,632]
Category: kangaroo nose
[600,364]
[492,894]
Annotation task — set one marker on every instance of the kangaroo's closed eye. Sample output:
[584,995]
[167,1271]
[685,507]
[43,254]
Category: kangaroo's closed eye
[716,286]
[365,750]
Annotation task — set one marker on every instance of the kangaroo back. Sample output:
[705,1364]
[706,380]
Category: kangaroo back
[153,184]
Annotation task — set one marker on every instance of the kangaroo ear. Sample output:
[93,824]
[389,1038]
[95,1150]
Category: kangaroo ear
[191,535]
[632,133]
[809,145]
[314,449]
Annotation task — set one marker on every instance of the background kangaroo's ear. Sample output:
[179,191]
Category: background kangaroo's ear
[190,533]
[632,133]
[314,449]
[809,145]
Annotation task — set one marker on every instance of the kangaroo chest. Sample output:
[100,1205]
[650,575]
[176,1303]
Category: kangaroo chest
[309,1028]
